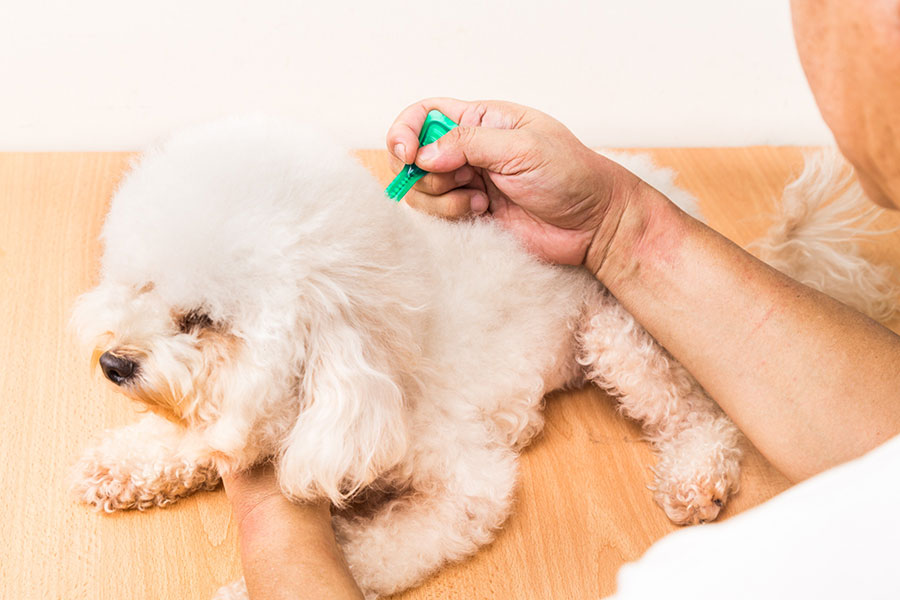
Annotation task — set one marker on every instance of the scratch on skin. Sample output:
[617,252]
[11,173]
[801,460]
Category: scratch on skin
[765,318]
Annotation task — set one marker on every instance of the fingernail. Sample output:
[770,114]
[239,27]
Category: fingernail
[463,175]
[400,151]
[479,203]
[427,153]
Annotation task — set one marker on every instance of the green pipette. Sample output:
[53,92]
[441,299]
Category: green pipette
[435,126]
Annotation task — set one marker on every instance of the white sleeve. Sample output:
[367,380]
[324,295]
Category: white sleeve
[833,536]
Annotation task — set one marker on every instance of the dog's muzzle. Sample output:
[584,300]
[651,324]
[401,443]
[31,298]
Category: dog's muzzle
[117,369]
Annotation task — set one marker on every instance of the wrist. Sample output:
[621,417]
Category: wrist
[639,220]
[269,515]
[257,501]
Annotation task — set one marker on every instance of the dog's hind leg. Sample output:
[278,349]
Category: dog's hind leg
[442,519]
[698,446]
[148,463]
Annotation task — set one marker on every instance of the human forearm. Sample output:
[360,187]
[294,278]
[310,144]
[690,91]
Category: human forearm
[810,381]
[288,550]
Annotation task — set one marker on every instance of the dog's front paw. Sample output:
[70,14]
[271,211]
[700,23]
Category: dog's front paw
[142,465]
[124,486]
[111,481]
[103,487]
[695,477]
[693,500]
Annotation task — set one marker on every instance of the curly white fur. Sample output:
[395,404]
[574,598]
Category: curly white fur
[823,215]
[275,304]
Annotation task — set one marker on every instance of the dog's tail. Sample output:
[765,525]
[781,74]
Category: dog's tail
[823,215]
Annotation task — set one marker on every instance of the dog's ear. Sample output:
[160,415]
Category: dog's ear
[352,424]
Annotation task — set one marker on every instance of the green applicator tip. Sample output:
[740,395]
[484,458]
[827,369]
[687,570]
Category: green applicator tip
[436,125]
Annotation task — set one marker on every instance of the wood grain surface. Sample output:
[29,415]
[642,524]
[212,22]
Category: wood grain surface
[582,508]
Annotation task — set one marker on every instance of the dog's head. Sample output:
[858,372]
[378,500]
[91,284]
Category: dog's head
[164,357]
[257,288]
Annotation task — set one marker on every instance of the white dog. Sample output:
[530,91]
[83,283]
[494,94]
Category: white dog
[264,299]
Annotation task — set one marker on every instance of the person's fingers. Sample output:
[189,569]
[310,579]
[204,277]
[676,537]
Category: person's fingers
[403,134]
[502,151]
[452,205]
[437,183]
[441,183]
[395,164]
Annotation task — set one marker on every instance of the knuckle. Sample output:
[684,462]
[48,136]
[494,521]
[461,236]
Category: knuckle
[415,199]
[479,111]
[416,106]
[464,136]
[441,183]
[532,146]
[530,140]
[427,184]
[474,113]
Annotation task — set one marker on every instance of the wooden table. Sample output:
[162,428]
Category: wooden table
[582,508]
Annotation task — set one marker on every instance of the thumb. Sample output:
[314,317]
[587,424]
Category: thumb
[483,147]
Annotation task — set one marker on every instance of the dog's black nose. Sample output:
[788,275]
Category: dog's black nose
[116,368]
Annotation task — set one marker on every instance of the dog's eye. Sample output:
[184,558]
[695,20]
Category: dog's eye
[191,320]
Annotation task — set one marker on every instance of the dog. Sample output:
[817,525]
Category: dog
[264,301]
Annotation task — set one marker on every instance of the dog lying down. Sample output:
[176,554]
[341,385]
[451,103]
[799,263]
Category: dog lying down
[264,300]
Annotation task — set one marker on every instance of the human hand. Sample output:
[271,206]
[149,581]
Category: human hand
[288,550]
[560,198]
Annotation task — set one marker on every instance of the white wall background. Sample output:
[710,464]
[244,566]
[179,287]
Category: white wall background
[117,74]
